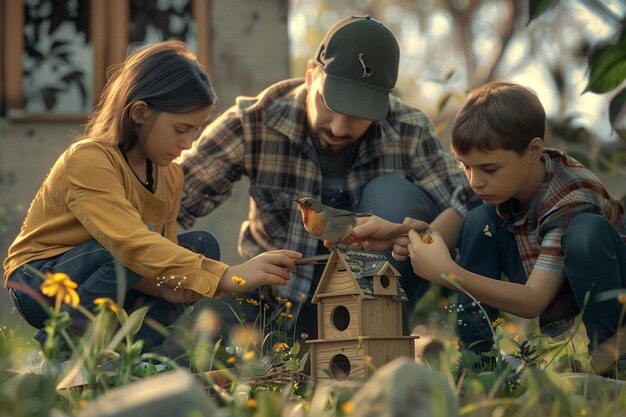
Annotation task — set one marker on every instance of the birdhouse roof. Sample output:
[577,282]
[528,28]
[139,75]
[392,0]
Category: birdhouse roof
[363,265]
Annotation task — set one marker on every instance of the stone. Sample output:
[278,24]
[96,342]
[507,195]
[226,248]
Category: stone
[173,393]
[403,388]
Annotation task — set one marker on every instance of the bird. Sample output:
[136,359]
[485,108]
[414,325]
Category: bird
[327,223]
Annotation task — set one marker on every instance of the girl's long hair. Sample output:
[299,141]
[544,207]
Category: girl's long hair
[166,75]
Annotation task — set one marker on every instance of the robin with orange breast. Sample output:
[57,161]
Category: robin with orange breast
[327,223]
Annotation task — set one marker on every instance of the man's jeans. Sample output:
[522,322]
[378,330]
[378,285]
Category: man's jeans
[97,274]
[595,262]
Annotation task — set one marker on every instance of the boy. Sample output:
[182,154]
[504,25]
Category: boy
[547,223]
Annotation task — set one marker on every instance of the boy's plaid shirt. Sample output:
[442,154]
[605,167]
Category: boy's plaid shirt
[568,189]
[266,138]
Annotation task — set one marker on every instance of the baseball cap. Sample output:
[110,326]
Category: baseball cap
[360,58]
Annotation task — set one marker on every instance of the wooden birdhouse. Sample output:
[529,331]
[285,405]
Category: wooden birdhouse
[359,316]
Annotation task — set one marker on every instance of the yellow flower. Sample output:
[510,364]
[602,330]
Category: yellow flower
[347,407]
[280,346]
[238,280]
[60,285]
[107,303]
[251,403]
[288,304]
[230,360]
[497,322]
[252,301]
[427,239]
[621,298]
[286,315]
[248,355]
[511,328]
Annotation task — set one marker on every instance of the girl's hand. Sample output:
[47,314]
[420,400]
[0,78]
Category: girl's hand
[268,268]
[428,260]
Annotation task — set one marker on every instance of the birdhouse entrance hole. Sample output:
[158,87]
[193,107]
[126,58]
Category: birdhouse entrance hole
[340,367]
[341,318]
[385,281]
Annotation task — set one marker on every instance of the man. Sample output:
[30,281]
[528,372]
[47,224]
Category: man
[336,135]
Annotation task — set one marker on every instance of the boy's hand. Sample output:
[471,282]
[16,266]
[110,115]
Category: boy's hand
[265,269]
[428,260]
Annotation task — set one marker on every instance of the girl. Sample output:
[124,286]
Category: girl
[113,197]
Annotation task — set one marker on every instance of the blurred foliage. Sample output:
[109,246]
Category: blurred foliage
[607,64]
[572,53]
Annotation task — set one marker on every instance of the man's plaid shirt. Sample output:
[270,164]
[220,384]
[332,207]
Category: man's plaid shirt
[266,138]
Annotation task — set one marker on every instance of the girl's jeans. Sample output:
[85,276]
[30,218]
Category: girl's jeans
[595,262]
[95,271]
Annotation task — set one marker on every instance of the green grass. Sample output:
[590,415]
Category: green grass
[527,375]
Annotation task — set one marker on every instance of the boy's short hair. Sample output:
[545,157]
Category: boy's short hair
[498,115]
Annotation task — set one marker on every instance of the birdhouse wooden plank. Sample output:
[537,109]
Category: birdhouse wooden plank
[339,317]
[381,317]
[342,282]
[356,358]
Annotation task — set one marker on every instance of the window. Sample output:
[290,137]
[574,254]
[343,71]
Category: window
[55,53]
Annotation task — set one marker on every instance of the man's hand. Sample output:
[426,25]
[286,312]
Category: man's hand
[379,234]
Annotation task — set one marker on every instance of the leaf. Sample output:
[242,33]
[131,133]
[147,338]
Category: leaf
[303,361]
[617,108]
[135,320]
[443,100]
[295,349]
[607,67]
[537,7]
[450,74]
[122,316]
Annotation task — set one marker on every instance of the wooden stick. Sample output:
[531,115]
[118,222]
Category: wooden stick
[312,260]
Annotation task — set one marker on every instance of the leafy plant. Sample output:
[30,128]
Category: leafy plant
[606,62]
